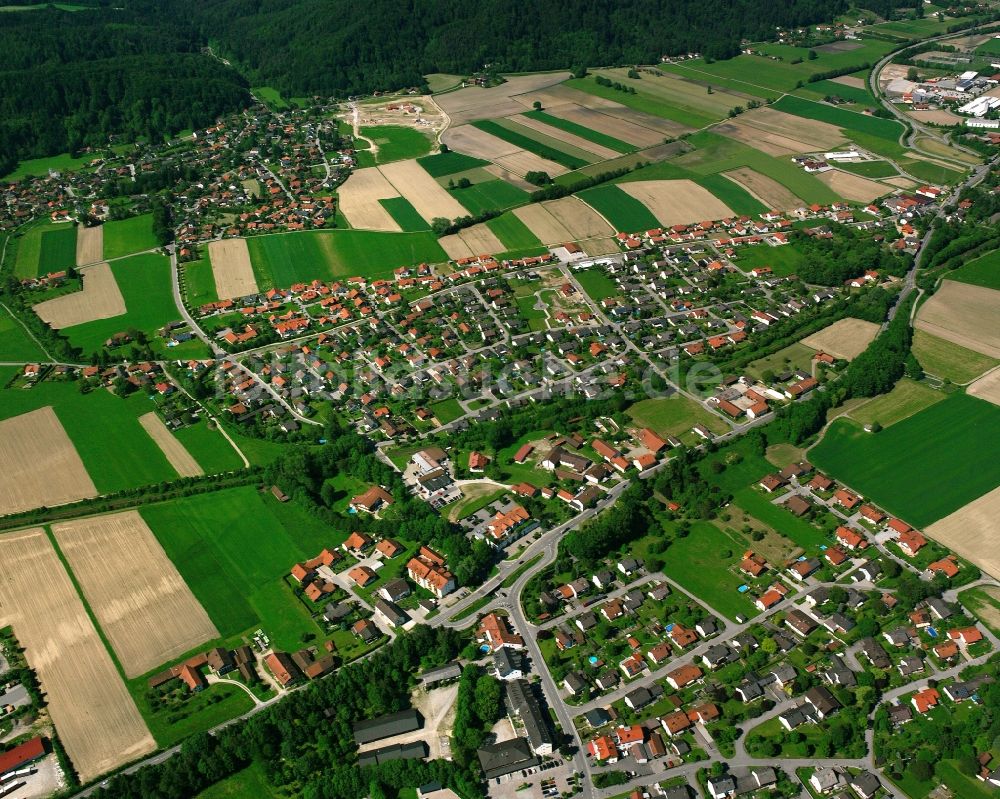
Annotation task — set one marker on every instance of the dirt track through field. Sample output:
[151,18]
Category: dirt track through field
[140,599]
[89,244]
[986,387]
[604,153]
[100,298]
[582,221]
[972,532]
[40,464]
[424,193]
[965,315]
[231,268]
[179,458]
[359,200]
[95,716]
[845,338]
[767,190]
[853,187]
[677,202]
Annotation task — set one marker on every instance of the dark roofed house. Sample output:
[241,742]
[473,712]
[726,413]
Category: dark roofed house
[387,726]
[504,758]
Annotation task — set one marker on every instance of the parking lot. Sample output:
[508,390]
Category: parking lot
[546,781]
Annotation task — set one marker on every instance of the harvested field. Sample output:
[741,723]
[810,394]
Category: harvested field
[608,123]
[510,177]
[543,224]
[150,618]
[852,187]
[571,139]
[987,387]
[173,449]
[596,247]
[965,315]
[901,182]
[359,200]
[41,465]
[231,268]
[845,338]
[424,193]
[817,135]
[677,202]
[522,162]
[768,143]
[582,221]
[455,247]
[937,117]
[478,143]
[765,189]
[972,532]
[100,298]
[95,716]
[850,80]
[472,103]
[475,240]
[89,244]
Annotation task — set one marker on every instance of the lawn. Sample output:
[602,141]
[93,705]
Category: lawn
[15,343]
[199,281]
[207,446]
[598,285]
[125,459]
[784,260]
[449,163]
[129,236]
[674,415]
[530,143]
[41,166]
[582,131]
[396,142]
[623,211]
[248,782]
[903,467]
[203,710]
[983,271]
[447,410]
[794,356]
[906,398]
[800,531]
[696,562]
[58,249]
[949,361]
[282,259]
[406,216]
[491,195]
[514,234]
[144,281]
[236,569]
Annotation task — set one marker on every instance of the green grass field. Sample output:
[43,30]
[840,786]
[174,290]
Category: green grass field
[658,104]
[283,259]
[233,548]
[794,356]
[985,603]
[449,163]
[828,88]
[798,530]
[597,285]
[519,137]
[144,281]
[904,467]
[129,236]
[126,459]
[29,249]
[447,410]
[672,416]
[623,211]
[514,234]
[204,710]
[582,131]
[405,214]
[784,260]
[906,398]
[248,782]
[213,453]
[983,271]
[870,169]
[948,361]
[39,167]
[58,249]
[491,195]
[878,134]
[15,343]
[271,97]
[199,282]
[929,171]
[396,143]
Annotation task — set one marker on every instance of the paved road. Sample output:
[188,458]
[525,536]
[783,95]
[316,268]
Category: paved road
[175,286]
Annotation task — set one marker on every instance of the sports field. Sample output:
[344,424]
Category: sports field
[905,467]
[625,213]
[235,568]
[283,259]
[129,236]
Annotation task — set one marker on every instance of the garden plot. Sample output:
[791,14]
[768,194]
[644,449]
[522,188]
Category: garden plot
[853,187]
[359,200]
[89,244]
[677,202]
[91,708]
[231,268]
[100,298]
[765,189]
[41,467]
[473,102]
[424,193]
[172,449]
[965,315]
[845,338]
[140,600]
